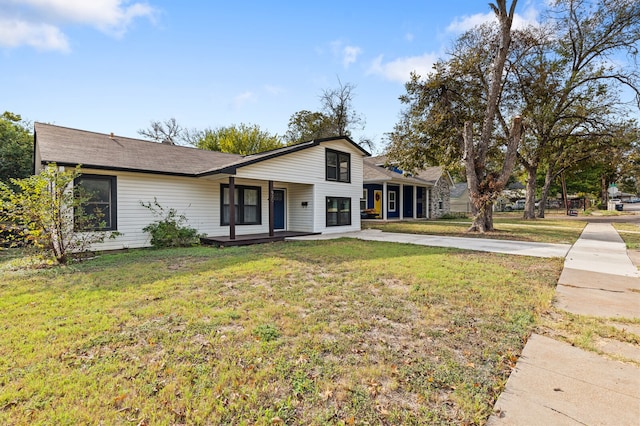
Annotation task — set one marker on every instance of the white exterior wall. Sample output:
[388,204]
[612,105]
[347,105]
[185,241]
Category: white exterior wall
[197,199]
[302,174]
[299,218]
[351,190]
[308,167]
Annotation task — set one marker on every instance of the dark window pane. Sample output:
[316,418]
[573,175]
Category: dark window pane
[247,205]
[332,159]
[251,197]
[250,214]
[97,189]
[338,211]
[344,168]
[99,210]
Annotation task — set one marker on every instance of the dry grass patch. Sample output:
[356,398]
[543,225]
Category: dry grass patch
[334,332]
[588,332]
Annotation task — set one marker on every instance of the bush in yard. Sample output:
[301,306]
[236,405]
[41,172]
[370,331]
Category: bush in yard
[46,212]
[170,229]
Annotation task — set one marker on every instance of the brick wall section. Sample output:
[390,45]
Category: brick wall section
[441,192]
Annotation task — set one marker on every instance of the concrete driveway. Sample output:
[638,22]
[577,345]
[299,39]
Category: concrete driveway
[521,248]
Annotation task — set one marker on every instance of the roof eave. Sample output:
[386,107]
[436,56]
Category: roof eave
[118,169]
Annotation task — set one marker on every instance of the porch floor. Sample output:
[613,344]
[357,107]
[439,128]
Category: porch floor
[245,240]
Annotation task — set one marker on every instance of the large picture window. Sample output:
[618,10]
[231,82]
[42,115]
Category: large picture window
[100,209]
[338,211]
[338,166]
[247,205]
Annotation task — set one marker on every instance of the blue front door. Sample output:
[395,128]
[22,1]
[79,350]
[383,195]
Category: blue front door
[278,209]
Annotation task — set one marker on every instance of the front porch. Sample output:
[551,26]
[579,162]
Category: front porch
[249,239]
[394,201]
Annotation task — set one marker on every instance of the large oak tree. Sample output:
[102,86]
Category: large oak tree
[568,83]
[452,115]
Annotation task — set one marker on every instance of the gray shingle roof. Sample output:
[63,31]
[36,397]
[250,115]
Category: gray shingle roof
[374,170]
[67,146]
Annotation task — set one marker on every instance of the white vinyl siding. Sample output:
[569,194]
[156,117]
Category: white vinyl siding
[196,199]
[308,167]
[300,218]
[301,173]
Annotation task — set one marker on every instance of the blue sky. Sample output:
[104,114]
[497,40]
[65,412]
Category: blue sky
[113,65]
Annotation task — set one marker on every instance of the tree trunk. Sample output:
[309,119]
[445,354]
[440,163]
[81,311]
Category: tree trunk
[485,185]
[544,194]
[530,192]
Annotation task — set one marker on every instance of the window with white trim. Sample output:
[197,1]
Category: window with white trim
[363,200]
[392,201]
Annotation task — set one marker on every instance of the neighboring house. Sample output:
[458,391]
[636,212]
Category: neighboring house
[460,201]
[390,194]
[315,185]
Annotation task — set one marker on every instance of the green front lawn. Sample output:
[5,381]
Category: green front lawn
[332,332]
[507,228]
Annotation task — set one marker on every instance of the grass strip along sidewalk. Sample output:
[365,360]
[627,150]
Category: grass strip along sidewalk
[318,332]
[507,228]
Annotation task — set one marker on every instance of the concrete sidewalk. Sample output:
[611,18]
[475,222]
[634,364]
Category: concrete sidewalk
[555,383]
[479,244]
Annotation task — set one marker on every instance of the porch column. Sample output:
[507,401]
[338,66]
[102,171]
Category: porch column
[428,204]
[232,208]
[415,201]
[384,200]
[271,213]
[401,201]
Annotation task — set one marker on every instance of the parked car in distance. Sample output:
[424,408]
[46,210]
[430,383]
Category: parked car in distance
[517,205]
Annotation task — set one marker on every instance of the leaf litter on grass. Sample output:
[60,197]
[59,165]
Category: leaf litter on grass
[299,333]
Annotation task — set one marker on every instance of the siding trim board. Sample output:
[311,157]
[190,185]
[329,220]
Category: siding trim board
[119,169]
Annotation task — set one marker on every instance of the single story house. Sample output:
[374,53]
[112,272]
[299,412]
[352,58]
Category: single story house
[311,187]
[390,194]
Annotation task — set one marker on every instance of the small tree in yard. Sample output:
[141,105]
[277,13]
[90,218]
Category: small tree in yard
[169,229]
[50,215]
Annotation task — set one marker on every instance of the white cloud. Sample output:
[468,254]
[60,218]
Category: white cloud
[39,21]
[467,22]
[242,99]
[14,33]
[350,55]
[346,53]
[400,69]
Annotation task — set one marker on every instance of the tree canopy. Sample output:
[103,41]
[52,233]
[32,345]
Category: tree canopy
[16,147]
[244,139]
[568,87]
[336,117]
[560,77]
[457,115]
